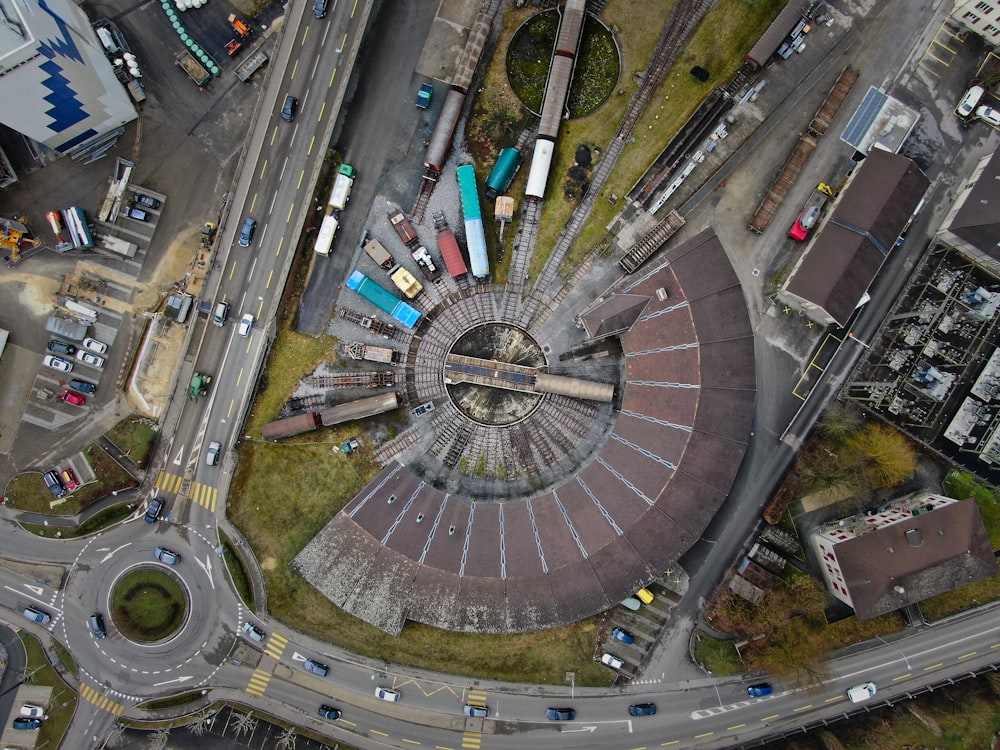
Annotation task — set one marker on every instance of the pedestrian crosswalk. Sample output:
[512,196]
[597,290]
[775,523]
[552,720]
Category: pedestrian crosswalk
[471,740]
[275,646]
[204,495]
[258,682]
[103,702]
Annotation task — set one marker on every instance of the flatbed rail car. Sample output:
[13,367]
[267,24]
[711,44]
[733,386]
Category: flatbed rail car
[383,299]
[363,407]
[371,324]
[779,188]
[653,240]
[831,105]
[359,351]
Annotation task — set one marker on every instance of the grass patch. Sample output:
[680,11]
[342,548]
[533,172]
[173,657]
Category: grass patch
[61,655]
[97,522]
[173,701]
[62,702]
[135,436]
[147,604]
[718,657]
[238,574]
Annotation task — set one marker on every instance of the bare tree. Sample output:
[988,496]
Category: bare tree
[201,723]
[158,740]
[287,739]
[116,736]
[245,723]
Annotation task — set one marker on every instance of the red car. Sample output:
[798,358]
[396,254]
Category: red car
[73,398]
[69,479]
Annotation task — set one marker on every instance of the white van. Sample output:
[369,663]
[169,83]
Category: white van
[862,692]
[221,313]
[969,101]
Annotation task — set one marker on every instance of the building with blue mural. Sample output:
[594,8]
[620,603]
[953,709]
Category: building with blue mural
[55,69]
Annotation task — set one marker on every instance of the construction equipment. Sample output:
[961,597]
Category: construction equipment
[14,239]
[350,445]
[208,234]
[239,27]
[199,385]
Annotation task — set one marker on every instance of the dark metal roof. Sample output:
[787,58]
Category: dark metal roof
[977,221]
[773,35]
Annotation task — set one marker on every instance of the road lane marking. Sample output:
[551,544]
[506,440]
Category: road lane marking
[263,169]
[294,68]
[932,667]
[290,209]
[312,141]
[354,9]
[772,717]
[302,176]
[304,35]
[274,134]
[968,655]
[735,727]
[801,708]
[322,109]
[332,76]
[902,677]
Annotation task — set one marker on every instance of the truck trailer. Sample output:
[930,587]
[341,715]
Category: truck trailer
[341,192]
[190,65]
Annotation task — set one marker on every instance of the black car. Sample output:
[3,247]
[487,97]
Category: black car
[560,714]
[61,347]
[153,512]
[642,709]
[288,110]
[246,234]
[23,723]
[147,201]
[329,712]
[84,386]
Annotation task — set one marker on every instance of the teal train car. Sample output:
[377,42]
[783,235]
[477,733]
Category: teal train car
[506,167]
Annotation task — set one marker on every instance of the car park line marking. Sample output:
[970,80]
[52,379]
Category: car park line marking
[322,109]
[263,169]
[332,76]
[274,134]
[295,67]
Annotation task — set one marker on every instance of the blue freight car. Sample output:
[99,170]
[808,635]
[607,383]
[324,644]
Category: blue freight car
[383,299]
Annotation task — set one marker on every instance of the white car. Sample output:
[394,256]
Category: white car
[989,115]
[31,711]
[90,358]
[246,323]
[95,346]
[385,694]
[861,692]
[57,363]
[612,661]
[969,101]
[253,633]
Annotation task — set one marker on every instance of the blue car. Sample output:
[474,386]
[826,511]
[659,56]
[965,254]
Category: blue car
[759,690]
[622,635]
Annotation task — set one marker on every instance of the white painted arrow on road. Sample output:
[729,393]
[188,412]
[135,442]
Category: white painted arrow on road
[170,682]
[113,552]
[581,729]
[37,589]
[207,567]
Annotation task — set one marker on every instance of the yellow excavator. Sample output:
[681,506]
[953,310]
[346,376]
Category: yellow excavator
[14,239]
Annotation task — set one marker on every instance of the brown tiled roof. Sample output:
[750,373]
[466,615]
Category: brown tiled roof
[892,567]
[626,515]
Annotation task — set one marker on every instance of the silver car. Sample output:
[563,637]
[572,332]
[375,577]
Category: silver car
[167,556]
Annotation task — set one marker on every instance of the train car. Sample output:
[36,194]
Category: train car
[383,299]
[324,240]
[444,129]
[451,253]
[503,173]
[475,236]
[538,175]
[406,282]
[290,426]
[363,407]
[404,228]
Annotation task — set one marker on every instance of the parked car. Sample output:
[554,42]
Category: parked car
[560,714]
[153,511]
[642,709]
[90,358]
[212,457]
[61,347]
[329,712]
[612,661]
[54,483]
[252,632]
[31,711]
[23,723]
[630,602]
[246,233]
[424,95]
[94,345]
[989,115]
[136,213]
[68,479]
[478,712]
[166,556]
[147,200]
[316,668]
[57,363]
[759,690]
[36,615]
[387,694]
[622,635]
[969,101]
[84,386]
[246,323]
[72,398]
[645,596]
[97,626]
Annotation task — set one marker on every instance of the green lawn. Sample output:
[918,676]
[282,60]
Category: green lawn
[62,702]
